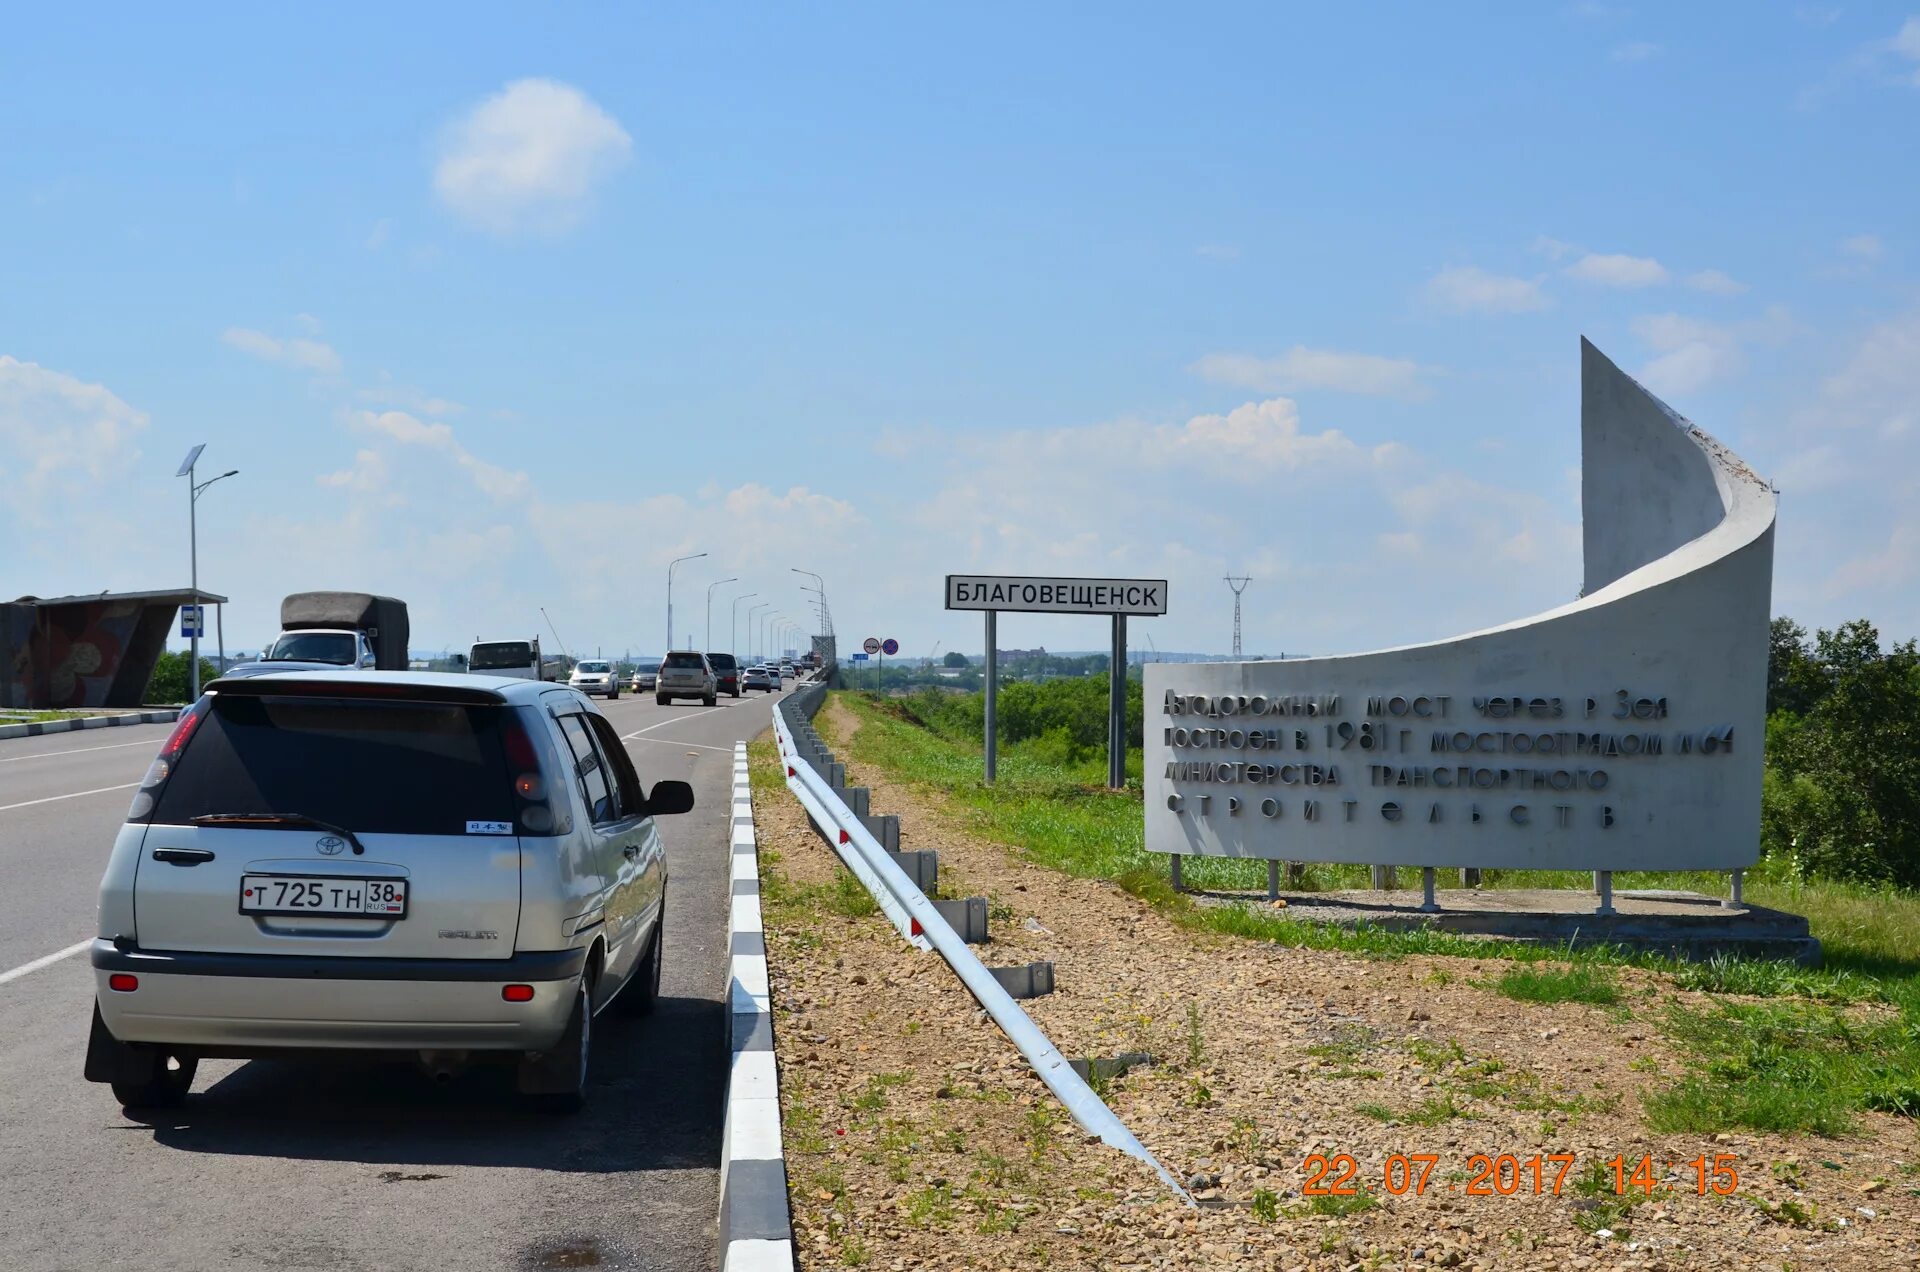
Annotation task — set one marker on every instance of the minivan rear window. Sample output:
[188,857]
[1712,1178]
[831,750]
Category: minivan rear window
[721,662]
[407,768]
[683,660]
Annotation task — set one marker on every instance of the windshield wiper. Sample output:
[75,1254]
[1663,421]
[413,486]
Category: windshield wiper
[280,821]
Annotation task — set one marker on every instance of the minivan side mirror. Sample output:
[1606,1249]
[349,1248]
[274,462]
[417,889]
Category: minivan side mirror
[667,798]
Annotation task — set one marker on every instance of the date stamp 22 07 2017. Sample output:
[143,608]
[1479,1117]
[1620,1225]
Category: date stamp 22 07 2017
[1511,1174]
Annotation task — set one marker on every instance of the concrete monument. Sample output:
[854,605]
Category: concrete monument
[1621,731]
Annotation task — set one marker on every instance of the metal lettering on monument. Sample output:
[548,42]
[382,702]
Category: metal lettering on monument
[1622,731]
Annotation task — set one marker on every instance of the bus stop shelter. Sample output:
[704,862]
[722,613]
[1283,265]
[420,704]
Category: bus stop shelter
[97,650]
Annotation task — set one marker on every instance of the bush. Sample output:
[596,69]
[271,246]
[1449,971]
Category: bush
[1842,790]
[169,682]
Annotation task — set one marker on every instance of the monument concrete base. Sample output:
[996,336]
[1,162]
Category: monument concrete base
[1684,925]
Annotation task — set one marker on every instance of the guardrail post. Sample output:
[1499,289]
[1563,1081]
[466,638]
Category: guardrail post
[967,916]
[921,867]
[856,798]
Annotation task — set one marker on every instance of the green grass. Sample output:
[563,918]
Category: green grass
[1580,983]
[1787,1066]
[1805,1058]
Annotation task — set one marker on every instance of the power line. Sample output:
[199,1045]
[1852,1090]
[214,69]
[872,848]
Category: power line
[1238,585]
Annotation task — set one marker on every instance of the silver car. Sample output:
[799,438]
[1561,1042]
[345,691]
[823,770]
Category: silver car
[453,866]
[686,673]
[595,675]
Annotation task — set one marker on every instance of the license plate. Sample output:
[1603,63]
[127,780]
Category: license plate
[323,894]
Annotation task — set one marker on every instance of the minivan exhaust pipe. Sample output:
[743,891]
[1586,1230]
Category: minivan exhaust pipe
[444,1066]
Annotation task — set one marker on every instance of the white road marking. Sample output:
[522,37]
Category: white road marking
[691,715]
[98,790]
[47,960]
[78,750]
[725,750]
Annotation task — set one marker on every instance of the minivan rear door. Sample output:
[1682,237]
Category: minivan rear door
[351,825]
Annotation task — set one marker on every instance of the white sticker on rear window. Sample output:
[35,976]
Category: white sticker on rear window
[489,828]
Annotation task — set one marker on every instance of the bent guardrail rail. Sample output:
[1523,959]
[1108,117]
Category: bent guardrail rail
[923,926]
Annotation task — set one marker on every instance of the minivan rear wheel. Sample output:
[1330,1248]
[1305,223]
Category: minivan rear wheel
[164,1085]
[558,1076]
[661,699]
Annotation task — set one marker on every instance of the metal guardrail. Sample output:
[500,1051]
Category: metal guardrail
[922,925]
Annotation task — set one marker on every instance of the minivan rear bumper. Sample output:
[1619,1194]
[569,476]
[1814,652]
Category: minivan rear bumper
[218,1001]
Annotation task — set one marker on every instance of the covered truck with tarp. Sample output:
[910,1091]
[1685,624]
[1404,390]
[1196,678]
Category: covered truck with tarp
[381,619]
[335,631]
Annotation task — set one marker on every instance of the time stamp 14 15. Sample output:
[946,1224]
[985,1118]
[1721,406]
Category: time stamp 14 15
[1511,1174]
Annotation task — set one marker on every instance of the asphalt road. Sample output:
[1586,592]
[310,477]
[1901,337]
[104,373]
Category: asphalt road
[279,1165]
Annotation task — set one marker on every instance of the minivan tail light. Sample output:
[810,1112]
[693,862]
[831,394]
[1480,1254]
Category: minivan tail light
[530,788]
[163,764]
[517,993]
[123,982]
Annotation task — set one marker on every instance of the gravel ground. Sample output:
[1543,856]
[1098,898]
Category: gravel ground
[918,1138]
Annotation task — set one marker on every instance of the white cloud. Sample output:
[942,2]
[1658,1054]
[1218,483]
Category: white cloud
[1906,44]
[1715,282]
[1303,368]
[1637,51]
[1865,247]
[59,436]
[1692,353]
[389,394]
[1879,387]
[1468,289]
[1551,248]
[1617,270]
[298,351]
[528,158]
[491,480]
[377,236]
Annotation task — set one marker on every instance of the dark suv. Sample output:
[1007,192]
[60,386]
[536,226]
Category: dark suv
[726,674]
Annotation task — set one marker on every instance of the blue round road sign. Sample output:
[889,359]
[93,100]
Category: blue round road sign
[889,646]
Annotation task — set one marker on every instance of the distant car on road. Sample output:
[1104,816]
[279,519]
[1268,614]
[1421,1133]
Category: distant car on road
[685,673]
[646,673]
[595,675]
[726,674]
[760,678]
[349,863]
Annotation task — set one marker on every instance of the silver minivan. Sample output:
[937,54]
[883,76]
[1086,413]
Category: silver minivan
[685,673]
[455,867]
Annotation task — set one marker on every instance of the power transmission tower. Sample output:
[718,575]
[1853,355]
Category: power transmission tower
[1238,585]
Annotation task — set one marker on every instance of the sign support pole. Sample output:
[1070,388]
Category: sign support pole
[993,693]
[1117,706]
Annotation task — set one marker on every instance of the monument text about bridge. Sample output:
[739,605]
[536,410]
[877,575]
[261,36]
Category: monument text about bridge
[1621,731]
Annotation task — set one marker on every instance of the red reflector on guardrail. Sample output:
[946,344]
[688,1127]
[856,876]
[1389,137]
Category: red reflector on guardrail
[917,930]
[845,838]
[790,770]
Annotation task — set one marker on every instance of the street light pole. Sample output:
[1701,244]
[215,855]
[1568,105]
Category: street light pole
[733,626]
[750,625]
[194,489]
[670,566]
[820,586]
[710,588]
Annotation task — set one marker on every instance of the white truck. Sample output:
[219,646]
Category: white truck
[514,659]
[335,631]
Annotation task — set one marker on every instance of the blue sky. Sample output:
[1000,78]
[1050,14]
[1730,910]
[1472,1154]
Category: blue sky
[497,309]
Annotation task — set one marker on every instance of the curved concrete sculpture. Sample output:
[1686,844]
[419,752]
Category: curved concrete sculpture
[1622,731]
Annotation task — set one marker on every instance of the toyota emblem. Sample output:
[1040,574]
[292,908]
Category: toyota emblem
[330,846]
